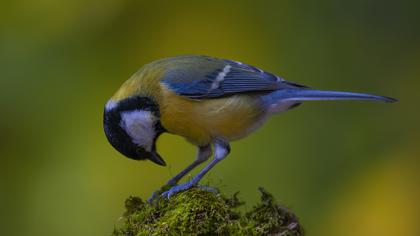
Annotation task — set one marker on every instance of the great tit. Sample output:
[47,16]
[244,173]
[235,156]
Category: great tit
[208,101]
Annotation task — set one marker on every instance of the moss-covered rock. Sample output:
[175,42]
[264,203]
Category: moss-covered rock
[199,212]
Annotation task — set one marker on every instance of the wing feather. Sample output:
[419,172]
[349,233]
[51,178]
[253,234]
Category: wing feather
[202,77]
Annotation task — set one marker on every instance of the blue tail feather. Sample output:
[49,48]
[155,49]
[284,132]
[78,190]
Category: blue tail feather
[308,95]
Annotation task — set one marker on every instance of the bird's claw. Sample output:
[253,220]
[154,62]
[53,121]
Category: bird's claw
[153,197]
[208,189]
[178,188]
[175,189]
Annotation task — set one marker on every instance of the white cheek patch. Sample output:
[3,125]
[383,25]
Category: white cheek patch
[139,125]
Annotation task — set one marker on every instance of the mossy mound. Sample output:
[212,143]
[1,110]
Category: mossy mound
[199,212]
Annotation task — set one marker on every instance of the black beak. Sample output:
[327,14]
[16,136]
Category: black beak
[156,158]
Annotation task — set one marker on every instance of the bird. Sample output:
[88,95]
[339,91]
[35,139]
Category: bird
[209,101]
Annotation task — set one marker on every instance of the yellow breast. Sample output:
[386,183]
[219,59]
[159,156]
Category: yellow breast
[201,121]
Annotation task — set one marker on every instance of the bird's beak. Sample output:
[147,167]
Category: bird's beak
[156,158]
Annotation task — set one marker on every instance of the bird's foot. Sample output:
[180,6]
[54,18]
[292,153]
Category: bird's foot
[208,189]
[153,197]
[181,187]
[172,182]
[177,188]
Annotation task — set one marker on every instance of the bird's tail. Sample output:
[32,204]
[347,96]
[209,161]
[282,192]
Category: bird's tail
[307,95]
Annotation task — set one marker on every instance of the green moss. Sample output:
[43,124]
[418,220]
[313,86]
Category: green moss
[199,212]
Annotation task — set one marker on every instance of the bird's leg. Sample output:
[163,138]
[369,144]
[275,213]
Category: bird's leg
[221,150]
[204,153]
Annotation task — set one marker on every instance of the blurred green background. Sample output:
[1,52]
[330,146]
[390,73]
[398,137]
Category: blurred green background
[345,168]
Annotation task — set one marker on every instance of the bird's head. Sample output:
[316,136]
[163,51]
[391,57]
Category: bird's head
[132,126]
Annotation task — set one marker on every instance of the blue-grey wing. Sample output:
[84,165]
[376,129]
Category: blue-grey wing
[206,77]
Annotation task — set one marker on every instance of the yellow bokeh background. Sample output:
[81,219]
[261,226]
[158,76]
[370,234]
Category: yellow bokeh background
[344,167]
